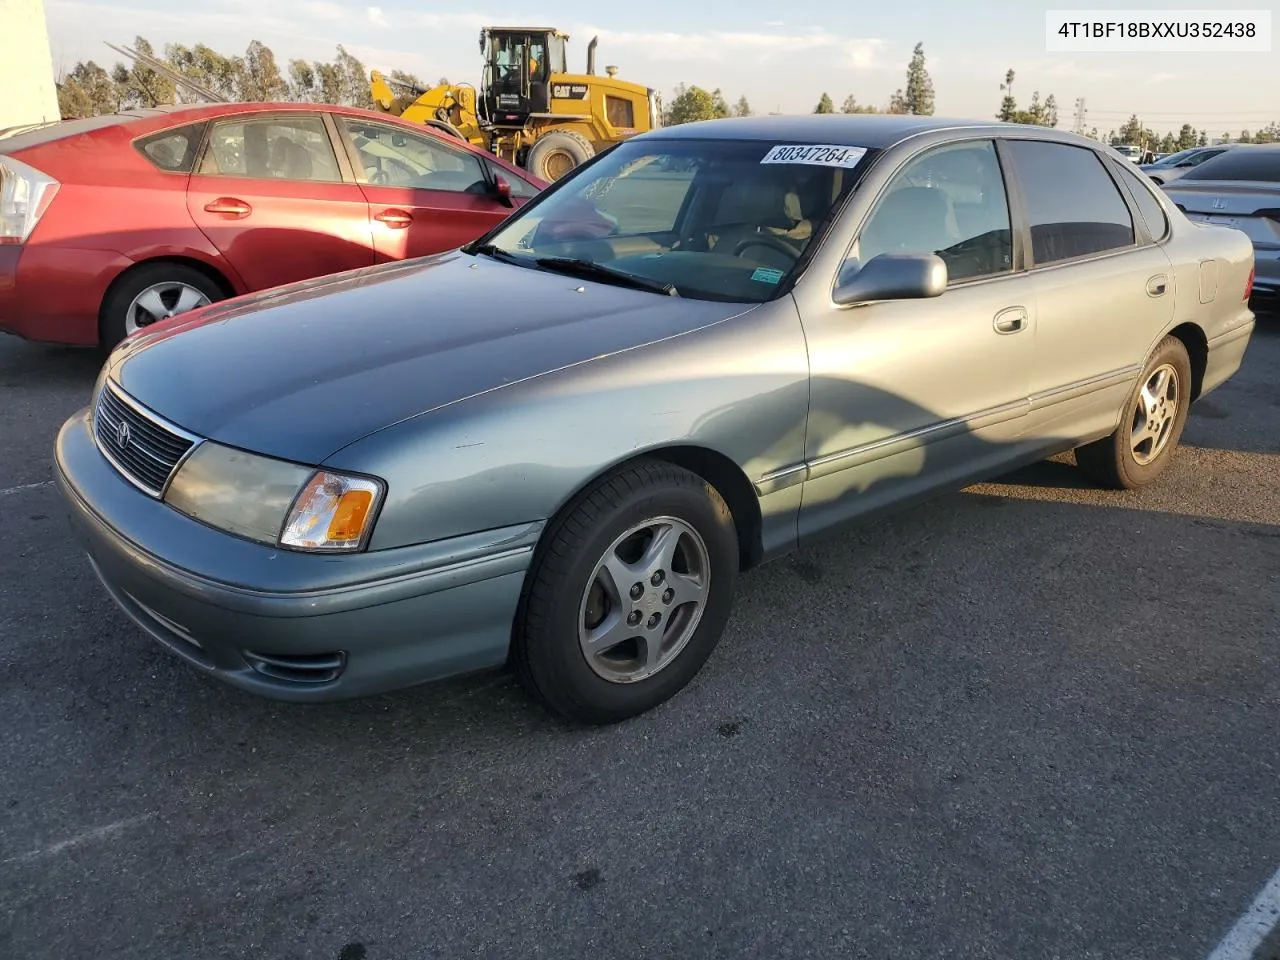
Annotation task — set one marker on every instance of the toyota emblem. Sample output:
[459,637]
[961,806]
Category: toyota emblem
[122,434]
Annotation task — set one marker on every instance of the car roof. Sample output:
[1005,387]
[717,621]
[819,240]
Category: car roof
[874,131]
[150,119]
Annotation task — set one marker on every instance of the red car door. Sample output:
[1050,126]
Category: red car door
[269,194]
[425,195]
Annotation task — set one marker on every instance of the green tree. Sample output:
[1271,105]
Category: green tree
[207,67]
[851,105]
[141,86]
[1131,131]
[918,94]
[1186,138]
[1008,105]
[742,108]
[1268,134]
[1168,144]
[691,104]
[259,75]
[88,91]
[897,103]
[825,105]
[1203,140]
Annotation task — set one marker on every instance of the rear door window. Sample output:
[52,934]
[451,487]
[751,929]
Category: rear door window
[283,148]
[1073,207]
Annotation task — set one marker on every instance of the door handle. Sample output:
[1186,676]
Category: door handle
[396,219]
[1157,285]
[1011,320]
[229,206]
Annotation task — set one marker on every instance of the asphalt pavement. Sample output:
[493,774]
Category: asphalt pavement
[1029,720]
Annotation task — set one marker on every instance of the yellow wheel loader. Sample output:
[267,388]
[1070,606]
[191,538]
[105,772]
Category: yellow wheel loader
[529,109]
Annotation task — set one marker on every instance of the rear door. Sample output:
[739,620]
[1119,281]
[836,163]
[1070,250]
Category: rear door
[425,196]
[1103,284]
[269,193]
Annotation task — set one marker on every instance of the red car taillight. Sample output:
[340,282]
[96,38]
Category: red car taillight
[25,194]
[1248,284]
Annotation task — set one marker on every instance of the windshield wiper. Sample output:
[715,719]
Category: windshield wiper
[596,271]
[492,250]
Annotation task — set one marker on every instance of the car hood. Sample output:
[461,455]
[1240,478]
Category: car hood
[301,371]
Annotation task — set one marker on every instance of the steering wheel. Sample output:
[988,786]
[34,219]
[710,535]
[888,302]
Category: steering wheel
[766,240]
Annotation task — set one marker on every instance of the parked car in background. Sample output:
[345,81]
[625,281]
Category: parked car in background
[712,344]
[1170,168]
[1240,189]
[1130,151]
[113,222]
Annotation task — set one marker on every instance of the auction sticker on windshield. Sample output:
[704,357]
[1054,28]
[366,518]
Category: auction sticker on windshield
[815,154]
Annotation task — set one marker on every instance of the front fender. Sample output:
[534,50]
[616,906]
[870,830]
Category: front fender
[517,454]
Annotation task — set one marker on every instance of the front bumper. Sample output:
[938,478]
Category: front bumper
[286,625]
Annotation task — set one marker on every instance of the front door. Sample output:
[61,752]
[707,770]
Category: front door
[911,396]
[268,193]
[425,196]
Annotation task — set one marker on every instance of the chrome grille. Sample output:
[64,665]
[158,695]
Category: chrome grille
[142,446]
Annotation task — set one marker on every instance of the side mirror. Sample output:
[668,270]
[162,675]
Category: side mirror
[502,189]
[1187,163]
[894,276]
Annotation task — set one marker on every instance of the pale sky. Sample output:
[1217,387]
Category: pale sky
[780,57]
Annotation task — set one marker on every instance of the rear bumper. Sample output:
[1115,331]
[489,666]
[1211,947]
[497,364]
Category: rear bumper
[291,626]
[1226,353]
[1266,279]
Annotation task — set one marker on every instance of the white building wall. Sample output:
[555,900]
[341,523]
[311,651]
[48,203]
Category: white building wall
[27,91]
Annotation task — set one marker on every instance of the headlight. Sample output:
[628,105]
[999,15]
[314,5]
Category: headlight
[272,501]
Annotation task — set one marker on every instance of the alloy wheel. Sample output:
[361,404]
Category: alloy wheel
[645,600]
[161,301]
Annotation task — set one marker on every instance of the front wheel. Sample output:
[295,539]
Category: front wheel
[1155,413]
[629,595]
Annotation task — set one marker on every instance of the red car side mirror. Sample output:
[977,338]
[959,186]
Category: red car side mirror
[502,189]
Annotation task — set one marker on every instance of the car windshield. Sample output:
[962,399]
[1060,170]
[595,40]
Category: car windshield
[704,219]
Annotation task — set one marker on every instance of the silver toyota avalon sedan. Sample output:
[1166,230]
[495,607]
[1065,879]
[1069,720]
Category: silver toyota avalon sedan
[558,447]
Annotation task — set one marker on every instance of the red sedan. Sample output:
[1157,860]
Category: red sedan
[110,223]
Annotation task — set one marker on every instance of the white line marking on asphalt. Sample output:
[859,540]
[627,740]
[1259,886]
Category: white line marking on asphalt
[1254,927]
[26,486]
[98,833]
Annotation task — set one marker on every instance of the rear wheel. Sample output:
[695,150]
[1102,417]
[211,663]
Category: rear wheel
[1155,413]
[554,154]
[151,292]
[629,596]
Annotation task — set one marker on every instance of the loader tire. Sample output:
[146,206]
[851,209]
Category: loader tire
[555,154]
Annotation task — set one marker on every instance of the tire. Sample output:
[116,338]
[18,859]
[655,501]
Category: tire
[567,593]
[175,284]
[555,154]
[1115,461]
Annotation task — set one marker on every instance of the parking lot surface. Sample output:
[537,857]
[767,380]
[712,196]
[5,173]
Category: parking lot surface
[1029,720]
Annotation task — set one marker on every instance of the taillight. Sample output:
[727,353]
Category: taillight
[1248,284]
[25,194]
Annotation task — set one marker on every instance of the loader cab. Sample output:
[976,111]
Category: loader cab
[519,66]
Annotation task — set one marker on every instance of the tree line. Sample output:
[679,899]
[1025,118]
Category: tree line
[90,89]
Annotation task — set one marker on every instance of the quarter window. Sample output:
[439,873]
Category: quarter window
[173,150]
[951,202]
[1150,208]
[396,158]
[281,148]
[1074,209]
